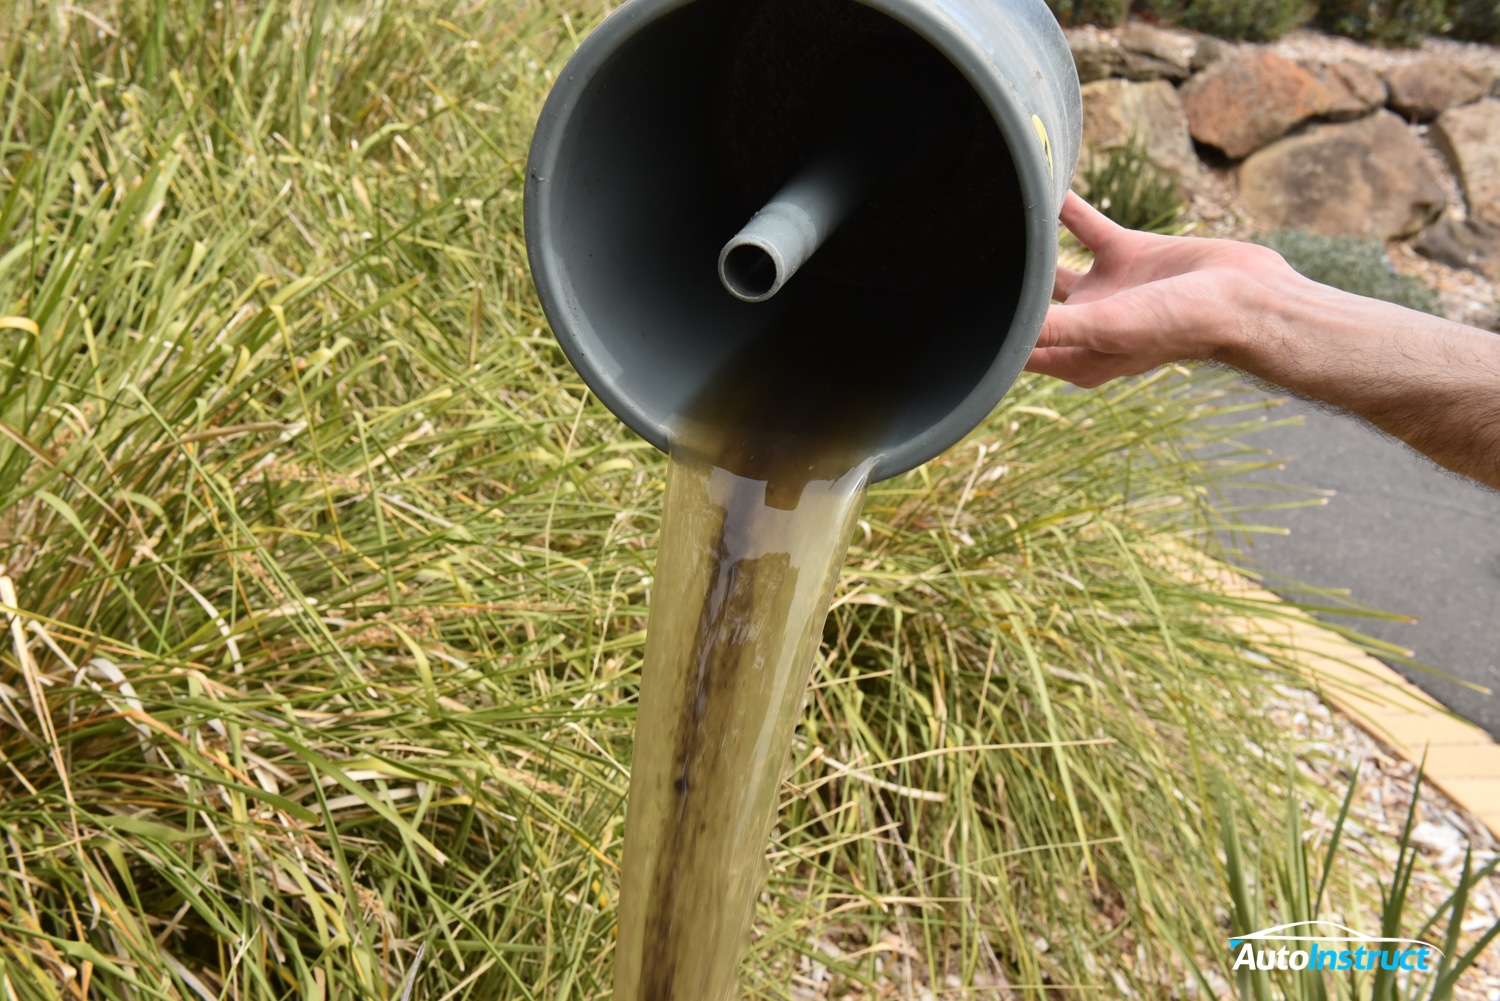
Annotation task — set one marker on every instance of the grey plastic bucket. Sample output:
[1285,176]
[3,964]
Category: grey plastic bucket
[676,119]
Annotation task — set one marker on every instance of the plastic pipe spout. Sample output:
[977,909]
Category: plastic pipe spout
[780,238]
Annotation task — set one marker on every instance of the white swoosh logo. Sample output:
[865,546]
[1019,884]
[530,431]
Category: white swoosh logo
[1275,935]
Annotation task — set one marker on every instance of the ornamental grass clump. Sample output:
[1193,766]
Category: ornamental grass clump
[1290,892]
[325,580]
[1126,185]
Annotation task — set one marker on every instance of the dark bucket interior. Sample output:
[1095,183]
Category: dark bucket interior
[685,131]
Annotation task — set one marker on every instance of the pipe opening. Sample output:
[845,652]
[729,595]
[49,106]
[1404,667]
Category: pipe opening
[749,272]
[695,117]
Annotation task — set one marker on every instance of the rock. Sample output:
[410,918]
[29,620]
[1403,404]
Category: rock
[1369,177]
[1244,101]
[1153,53]
[1469,138]
[1139,52]
[1114,110]
[1209,51]
[1471,244]
[1096,54]
[1423,90]
[1350,90]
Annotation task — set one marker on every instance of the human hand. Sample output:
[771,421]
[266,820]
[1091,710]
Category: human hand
[1152,300]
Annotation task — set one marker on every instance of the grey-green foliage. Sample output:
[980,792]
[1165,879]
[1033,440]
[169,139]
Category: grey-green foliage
[1475,20]
[1106,13]
[1256,20]
[1126,185]
[1385,22]
[1354,264]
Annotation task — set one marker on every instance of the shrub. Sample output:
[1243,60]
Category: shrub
[1127,186]
[1353,264]
[1105,13]
[1475,20]
[1384,22]
[1256,20]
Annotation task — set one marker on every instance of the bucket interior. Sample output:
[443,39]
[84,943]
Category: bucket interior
[686,129]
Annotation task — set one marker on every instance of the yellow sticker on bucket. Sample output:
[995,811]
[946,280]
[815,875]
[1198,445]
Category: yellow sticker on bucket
[1041,131]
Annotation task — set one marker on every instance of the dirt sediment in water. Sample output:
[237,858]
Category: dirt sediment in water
[767,477]
[742,589]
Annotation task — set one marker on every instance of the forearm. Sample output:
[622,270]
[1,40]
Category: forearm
[1432,383]
[1150,300]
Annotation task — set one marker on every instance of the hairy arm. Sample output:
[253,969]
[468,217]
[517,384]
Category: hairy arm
[1151,300]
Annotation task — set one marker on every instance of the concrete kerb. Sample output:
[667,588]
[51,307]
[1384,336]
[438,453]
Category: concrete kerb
[1462,760]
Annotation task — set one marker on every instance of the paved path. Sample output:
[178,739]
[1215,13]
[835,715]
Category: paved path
[1401,535]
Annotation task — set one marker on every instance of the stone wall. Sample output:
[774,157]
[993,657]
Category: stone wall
[1318,134]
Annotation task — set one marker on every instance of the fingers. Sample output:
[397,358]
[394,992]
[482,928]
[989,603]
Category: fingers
[1088,345]
[1071,327]
[1080,366]
[1062,285]
[1093,229]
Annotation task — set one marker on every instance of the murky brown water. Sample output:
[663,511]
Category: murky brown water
[741,592]
[767,477]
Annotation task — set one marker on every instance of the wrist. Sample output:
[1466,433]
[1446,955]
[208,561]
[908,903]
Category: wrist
[1269,315]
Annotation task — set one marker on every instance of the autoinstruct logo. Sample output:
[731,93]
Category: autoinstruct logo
[1324,945]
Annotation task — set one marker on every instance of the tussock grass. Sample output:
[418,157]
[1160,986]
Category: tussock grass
[327,580]
[1130,189]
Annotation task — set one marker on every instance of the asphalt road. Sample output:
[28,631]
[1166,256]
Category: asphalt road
[1401,535]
